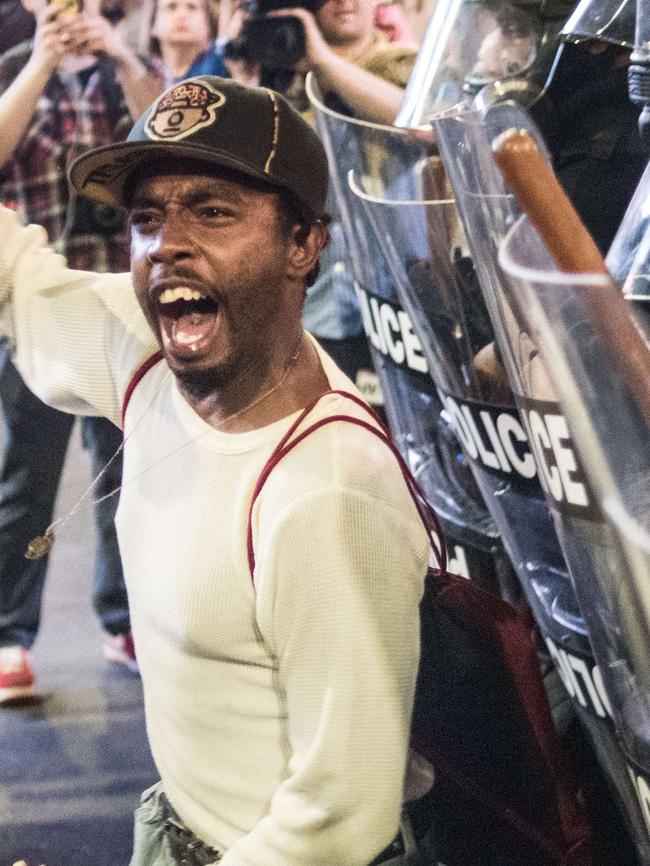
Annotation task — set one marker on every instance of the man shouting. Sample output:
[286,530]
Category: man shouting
[278,695]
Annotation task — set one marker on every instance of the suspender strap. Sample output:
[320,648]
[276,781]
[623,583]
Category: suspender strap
[139,374]
[289,441]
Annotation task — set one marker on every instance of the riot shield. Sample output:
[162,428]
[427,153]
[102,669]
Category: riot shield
[489,212]
[436,284]
[609,418]
[628,259]
[421,430]
[501,49]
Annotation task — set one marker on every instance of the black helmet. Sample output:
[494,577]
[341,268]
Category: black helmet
[474,46]
[606,20]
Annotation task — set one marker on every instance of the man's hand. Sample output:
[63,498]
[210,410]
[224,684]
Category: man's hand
[391,19]
[91,33]
[367,95]
[230,21]
[19,100]
[51,40]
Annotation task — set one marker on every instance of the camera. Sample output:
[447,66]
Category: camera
[276,44]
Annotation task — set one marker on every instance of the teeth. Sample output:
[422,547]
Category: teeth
[182,293]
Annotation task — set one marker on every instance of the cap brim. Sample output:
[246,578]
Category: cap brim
[101,174]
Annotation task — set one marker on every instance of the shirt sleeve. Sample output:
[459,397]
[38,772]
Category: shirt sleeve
[339,580]
[77,337]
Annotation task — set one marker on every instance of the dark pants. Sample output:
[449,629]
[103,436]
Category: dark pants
[33,443]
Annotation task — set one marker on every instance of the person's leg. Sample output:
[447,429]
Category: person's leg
[102,439]
[33,443]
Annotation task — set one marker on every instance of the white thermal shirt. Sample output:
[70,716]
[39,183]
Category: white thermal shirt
[278,711]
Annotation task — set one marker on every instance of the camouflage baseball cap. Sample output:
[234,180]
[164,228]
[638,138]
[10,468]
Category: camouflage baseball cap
[252,130]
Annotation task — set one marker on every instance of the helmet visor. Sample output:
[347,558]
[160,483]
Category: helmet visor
[468,45]
[606,20]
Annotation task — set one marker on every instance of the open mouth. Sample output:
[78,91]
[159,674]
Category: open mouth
[188,318]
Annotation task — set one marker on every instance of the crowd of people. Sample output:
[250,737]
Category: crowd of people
[227,221]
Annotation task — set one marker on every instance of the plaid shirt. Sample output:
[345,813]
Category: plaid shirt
[70,118]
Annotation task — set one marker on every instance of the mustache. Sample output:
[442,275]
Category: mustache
[172,278]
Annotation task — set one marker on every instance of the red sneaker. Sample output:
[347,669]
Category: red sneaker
[16,674]
[119,648]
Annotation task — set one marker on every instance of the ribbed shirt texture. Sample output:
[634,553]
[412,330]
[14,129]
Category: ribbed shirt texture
[277,708]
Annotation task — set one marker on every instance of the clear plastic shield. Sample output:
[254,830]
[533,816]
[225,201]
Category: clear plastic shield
[470,45]
[609,416]
[474,390]
[489,213]
[422,431]
[458,341]
[628,259]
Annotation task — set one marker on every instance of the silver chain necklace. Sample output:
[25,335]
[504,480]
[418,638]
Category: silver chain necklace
[41,545]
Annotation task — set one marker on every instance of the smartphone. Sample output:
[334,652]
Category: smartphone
[68,7]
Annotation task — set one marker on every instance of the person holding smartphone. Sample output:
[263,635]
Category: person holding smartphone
[59,96]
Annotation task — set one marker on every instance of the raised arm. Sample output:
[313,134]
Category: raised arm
[18,101]
[91,33]
[77,337]
[369,96]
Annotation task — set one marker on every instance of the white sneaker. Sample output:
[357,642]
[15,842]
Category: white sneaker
[119,648]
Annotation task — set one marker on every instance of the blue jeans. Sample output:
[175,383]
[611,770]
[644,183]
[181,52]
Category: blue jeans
[151,848]
[33,443]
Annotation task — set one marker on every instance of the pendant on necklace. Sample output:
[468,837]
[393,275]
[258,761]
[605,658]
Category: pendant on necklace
[40,546]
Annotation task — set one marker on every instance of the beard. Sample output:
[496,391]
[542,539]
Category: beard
[202,383]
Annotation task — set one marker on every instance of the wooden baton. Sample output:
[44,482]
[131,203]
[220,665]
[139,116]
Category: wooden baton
[542,198]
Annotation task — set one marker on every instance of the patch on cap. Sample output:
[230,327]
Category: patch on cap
[183,110]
